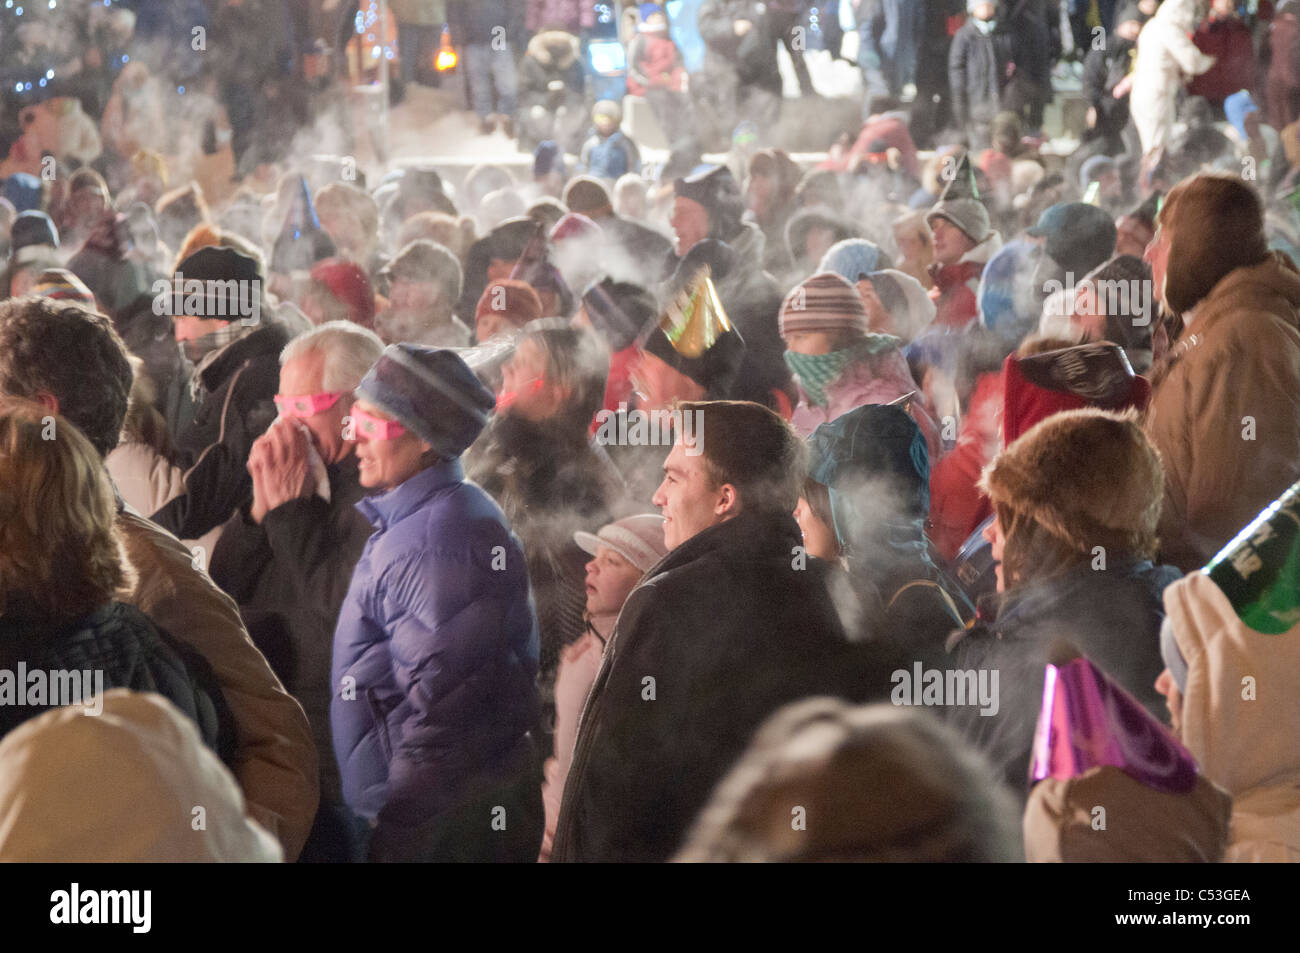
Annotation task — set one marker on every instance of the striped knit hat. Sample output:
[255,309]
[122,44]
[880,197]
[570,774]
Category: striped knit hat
[825,302]
[62,285]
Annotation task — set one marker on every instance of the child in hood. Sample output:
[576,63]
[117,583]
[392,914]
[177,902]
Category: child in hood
[609,153]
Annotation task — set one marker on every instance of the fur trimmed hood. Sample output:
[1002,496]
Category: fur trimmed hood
[554,49]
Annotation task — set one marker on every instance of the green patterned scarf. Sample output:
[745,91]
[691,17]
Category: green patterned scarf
[817,371]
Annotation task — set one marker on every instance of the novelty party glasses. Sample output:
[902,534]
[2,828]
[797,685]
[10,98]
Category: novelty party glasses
[306,405]
[375,428]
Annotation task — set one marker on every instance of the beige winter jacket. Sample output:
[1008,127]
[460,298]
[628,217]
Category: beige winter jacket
[1241,716]
[1137,824]
[276,764]
[147,481]
[1226,415]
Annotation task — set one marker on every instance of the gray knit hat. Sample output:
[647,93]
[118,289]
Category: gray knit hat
[960,204]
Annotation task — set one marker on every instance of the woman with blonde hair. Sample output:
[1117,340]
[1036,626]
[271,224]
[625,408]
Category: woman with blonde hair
[62,567]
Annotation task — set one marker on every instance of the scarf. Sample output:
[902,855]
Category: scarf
[818,371]
[202,351]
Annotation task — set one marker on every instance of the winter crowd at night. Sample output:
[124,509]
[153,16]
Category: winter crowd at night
[698,431]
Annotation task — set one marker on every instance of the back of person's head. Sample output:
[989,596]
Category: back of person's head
[456,234]
[59,557]
[179,211]
[753,449]
[870,784]
[1216,225]
[342,199]
[39,339]
[120,787]
[1075,481]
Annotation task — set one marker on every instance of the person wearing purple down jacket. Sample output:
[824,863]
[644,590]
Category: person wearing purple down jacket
[436,648]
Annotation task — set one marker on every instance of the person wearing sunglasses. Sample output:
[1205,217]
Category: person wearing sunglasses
[287,557]
[436,648]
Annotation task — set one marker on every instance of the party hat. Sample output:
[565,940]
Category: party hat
[1087,721]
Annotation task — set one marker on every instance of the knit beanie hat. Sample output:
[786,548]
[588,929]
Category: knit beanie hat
[825,302]
[432,392]
[62,285]
[619,311]
[1216,225]
[960,204]
[806,219]
[1008,298]
[853,259]
[349,284]
[587,196]
[23,190]
[906,300]
[548,158]
[32,228]
[716,190]
[1084,476]
[515,299]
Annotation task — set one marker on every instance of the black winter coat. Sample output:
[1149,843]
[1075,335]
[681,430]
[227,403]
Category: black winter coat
[131,652]
[1112,616]
[550,481]
[233,409]
[729,630]
[1102,71]
[753,57]
[976,74]
[289,576]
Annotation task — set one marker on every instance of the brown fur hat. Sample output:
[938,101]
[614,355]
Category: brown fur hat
[1088,477]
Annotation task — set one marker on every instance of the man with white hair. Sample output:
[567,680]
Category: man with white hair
[287,557]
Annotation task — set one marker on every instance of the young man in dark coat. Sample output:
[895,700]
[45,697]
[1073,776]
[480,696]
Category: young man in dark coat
[728,627]
[287,556]
[236,352]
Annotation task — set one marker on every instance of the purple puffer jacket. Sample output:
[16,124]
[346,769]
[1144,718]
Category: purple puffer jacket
[435,652]
[568,15]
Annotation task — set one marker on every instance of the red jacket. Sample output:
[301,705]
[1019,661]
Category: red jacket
[957,507]
[1229,42]
[954,293]
[656,62]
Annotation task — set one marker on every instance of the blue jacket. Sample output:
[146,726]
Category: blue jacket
[438,635]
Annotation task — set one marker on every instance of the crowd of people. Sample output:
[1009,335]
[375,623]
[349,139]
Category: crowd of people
[908,502]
